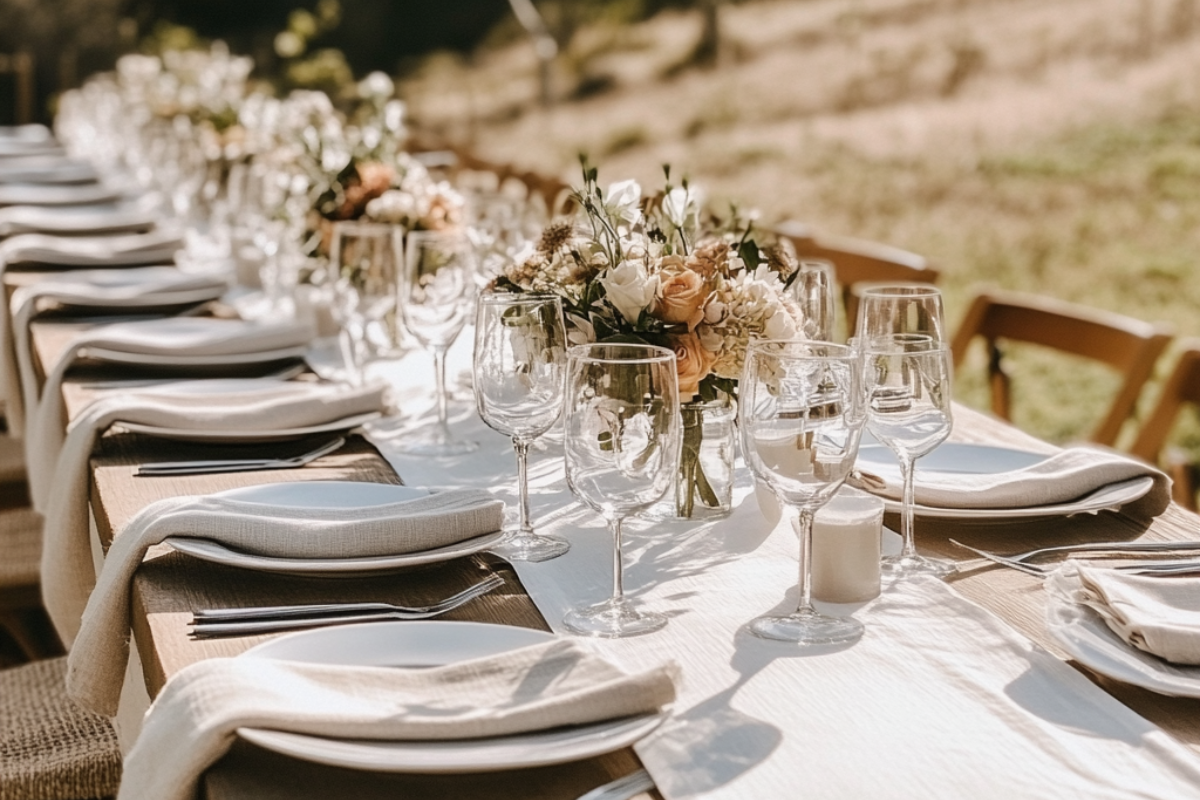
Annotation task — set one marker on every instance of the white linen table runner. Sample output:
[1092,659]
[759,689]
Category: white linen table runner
[940,699]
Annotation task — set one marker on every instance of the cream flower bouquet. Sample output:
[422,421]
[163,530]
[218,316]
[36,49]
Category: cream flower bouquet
[659,270]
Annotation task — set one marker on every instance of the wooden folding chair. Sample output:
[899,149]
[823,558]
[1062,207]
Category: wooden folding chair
[1130,346]
[554,193]
[1181,387]
[857,262]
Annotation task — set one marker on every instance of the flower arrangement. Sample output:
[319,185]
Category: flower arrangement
[359,170]
[660,270]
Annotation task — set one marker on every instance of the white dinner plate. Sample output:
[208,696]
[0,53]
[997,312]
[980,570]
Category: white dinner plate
[228,360]
[208,550]
[1088,640]
[429,644]
[149,300]
[949,457]
[977,459]
[250,437]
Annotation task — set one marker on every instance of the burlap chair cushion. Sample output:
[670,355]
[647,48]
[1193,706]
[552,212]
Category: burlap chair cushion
[50,748]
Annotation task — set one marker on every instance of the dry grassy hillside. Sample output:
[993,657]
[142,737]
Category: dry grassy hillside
[1045,145]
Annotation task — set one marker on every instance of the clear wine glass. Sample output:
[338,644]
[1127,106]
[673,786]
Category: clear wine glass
[622,440]
[364,271]
[520,363]
[435,301]
[886,309]
[800,415]
[812,289]
[907,384]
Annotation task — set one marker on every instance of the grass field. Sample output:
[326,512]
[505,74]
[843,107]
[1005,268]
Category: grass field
[1050,146]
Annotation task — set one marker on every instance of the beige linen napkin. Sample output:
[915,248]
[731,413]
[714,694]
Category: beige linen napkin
[1060,478]
[172,337]
[193,722]
[108,288]
[1158,615]
[67,571]
[96,664]
[157,246]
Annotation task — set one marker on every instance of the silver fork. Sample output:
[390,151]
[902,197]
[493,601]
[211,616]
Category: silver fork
[1099,547]
[1171,567]
[238,464]
[244,621]
[621,788]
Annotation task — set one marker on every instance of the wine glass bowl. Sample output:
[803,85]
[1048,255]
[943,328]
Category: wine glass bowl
[800,416]
[519,368]
[439,279]
[907,384]
[435,301]
[364,270]
[889,309]
[812,289]
[622,439]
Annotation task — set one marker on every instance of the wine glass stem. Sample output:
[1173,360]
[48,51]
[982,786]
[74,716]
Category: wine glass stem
[350,355]
[805,524]
[439,371]
[907,469]
[521,446]
[614,526]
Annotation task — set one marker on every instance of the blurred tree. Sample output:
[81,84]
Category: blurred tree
[66,38]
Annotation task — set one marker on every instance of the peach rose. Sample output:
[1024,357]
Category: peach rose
[680,297]
[692,363]
[373,179]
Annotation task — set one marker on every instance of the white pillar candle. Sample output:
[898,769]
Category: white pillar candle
[845,548]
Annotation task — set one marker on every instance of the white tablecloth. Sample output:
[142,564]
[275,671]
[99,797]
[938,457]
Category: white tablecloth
[940,699]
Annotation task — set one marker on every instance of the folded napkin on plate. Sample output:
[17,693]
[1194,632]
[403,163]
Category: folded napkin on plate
[170,338]
[1065,476]
[99,652]
[34,194]
[194,721]
[1159,615]
[99,218]
[103,289]
[157,246]
[67,570]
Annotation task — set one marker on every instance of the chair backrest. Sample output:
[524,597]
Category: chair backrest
[1130,346]
[857,261]
[1181,387]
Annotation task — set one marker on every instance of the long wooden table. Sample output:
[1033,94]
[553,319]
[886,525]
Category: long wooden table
[170,586]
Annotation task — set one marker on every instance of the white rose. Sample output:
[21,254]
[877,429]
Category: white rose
[680,205]
[392,206]
[629,288]
[622,200]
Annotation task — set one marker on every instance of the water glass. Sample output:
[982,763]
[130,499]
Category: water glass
[906,381]
[435,301]
[800,416]
[364,271]
[622,440]
[520,363]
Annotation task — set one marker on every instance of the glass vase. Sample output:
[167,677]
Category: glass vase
[703,486]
